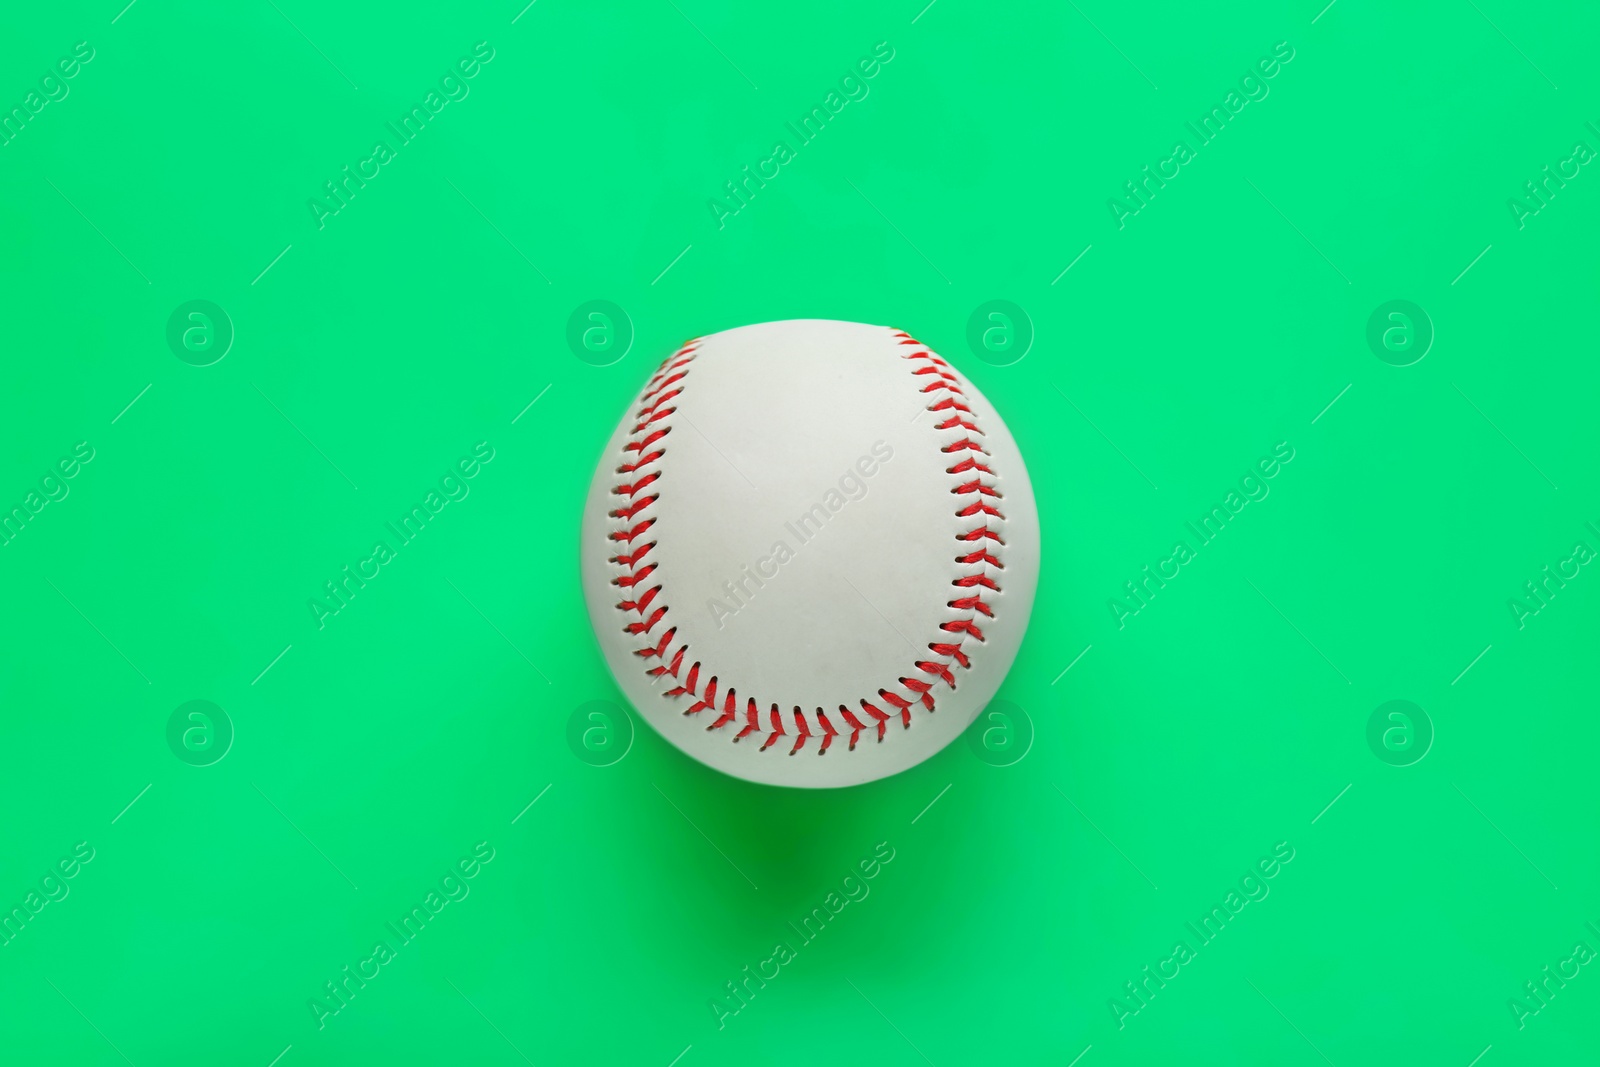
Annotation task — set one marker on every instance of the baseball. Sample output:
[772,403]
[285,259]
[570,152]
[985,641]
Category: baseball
[809,552]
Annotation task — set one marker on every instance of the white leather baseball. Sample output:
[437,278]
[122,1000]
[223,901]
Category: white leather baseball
[810,552]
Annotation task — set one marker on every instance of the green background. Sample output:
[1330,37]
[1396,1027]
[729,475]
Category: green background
[427,715]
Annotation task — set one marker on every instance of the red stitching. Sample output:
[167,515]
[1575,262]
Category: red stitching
[777,729]
[805,732]
[899,702]
[728,713]
[855,725]
[753,722]
[883,719]
[828,733]
[646,608]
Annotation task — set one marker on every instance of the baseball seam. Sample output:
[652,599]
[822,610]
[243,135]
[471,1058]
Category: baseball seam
[646,608]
